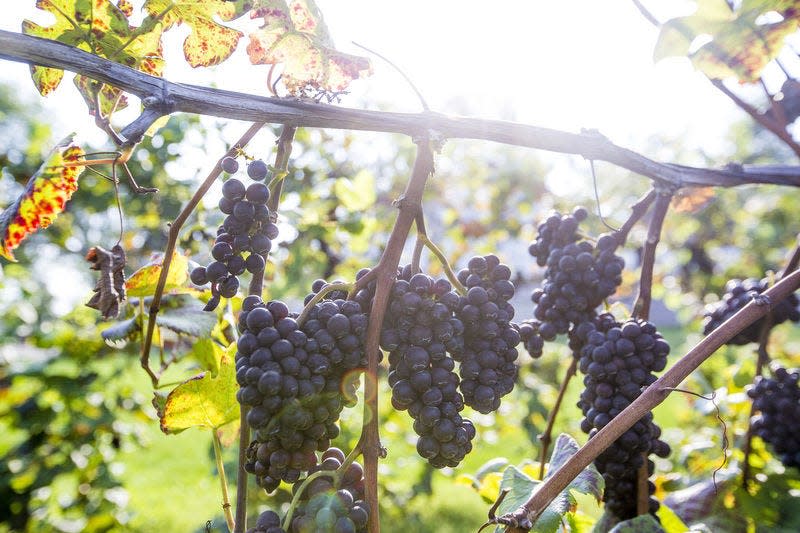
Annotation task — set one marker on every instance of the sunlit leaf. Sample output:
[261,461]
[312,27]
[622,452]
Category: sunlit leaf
[143,282]
[356,193]
[209,42]
[45,196]
[692,199]
[670,522]
[204,400]
[295,35]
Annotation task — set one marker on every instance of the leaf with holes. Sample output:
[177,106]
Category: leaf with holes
[45,196]
[143,282]
[295,35]
[209,42]
[204,400]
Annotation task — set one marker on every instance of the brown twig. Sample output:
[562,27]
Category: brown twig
[386,271]
[638,210]
[651,397]
[172,239]
[641,308]
[546,437]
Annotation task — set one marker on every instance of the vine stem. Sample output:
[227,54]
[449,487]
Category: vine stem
[638,210]
[386,271]
[326,290]
[653,395]
[641,310]
[546,437]
[172,239]
[226,502]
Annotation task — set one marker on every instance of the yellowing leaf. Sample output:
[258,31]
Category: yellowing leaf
[693,199]
[45,196]
[203,401]
[143,282]
[295,35]
[209,42]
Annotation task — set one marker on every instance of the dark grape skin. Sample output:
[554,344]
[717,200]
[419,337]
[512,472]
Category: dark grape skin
[257,170]
[233,189]
[229,165]
[198,276]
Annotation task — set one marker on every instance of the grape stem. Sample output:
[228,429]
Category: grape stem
[638,210]
[653,395]
[333,474]
[422,237]
[326,290]
[385,273]
[226,502]
[546,437]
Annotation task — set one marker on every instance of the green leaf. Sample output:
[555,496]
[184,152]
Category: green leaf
[208,43]
[521,487]
[123,330]
[188,320]
[208,353]
[670,521]
[357,193]
[204,400]
[295,35]
[641,524]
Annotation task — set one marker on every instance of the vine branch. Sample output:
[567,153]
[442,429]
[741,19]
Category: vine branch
[162,97]
[642,307]
[651,397]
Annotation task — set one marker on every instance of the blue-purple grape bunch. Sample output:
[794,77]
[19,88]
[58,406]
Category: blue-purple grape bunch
[617,361]
[776,401]
[243,239]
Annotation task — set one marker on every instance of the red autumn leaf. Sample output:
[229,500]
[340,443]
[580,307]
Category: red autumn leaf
[295,36]
[45,196]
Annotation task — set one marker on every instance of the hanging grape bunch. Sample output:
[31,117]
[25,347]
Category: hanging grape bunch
[579,275]
[487,362]
[293,379]
[419,330]
[777,401]
[738,293]
[245,237]
[617,360]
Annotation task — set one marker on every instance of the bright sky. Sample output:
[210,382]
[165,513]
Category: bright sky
[565,65]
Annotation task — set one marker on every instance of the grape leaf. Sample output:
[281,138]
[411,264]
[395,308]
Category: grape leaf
[203,401]
[640,524]
[208,353]
[188,320]
[208,43]
[295,35]
[123,330]
[110,287]
[521,487]
[45,196]
[143,282]
[102,28]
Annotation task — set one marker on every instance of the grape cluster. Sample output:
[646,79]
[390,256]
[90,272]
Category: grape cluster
[487,362]
[738,293]
[617,360]
[330,504]
[247,229]
[295,379]
[267,522]
[579,276]
[418,331]
[777,400]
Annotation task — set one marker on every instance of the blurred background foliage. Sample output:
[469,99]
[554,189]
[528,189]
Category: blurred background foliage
[79,439]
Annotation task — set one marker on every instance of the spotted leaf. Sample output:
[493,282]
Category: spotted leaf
[295,35]
[209,42]
[45,196]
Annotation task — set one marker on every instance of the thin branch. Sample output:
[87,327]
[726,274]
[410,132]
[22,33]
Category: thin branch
[163,96]
[646,13]
[546,437]
[226,501]
[638,210]
[651,397]
[403,74]
[642,307]
[386,271]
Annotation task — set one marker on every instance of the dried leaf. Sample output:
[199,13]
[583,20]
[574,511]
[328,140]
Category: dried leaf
[45,196]
[692,199]
[110,288]
[295,35]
